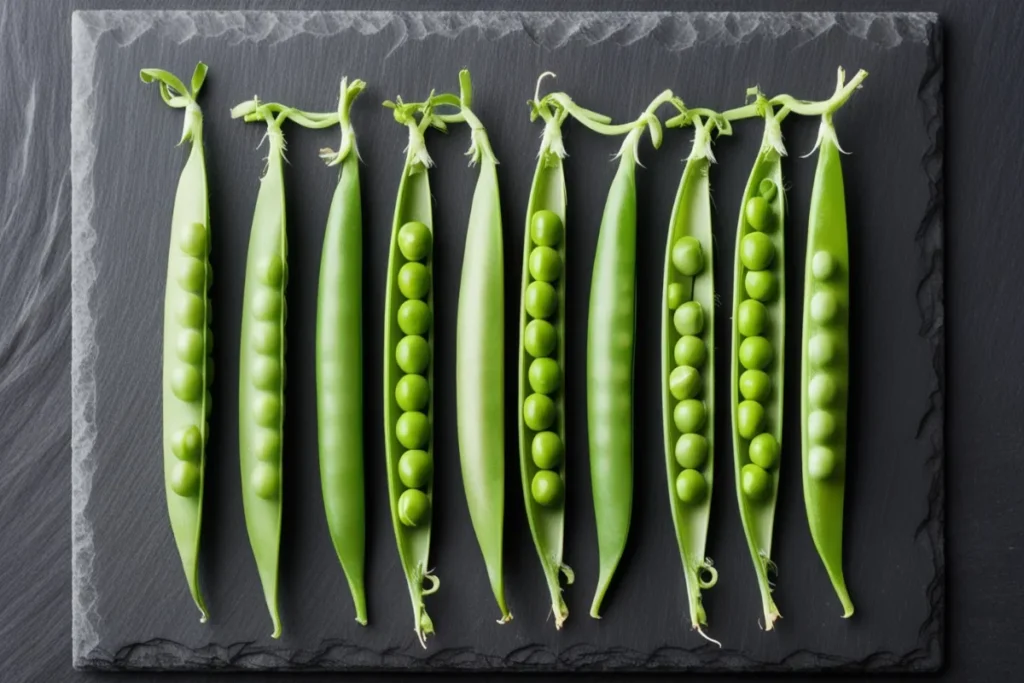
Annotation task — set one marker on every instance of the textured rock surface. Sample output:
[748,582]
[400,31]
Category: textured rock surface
[130,606]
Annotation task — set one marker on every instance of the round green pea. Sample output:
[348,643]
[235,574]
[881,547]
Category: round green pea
[755,353]
[756,212]
[821,462]
[268,445]
[689,318]
[541,301]
[752,318]
[546,487]
[414,241]
[685,382]
[546,228]
[755,385]
[824,307]
[821,425]
[413,507]
[268,410]
[186,383]
[413,430]
[821,390]
[546,450]
[764,451]
[691,487]
[190,346]
[184,479]
[540,338]
[749,418]
[266,338]
[767,189]
[266,373]
[266,480]
[538,412]
[691,451]
[687,256]
[414,317]
[413,280]
[186,443]
[757,251]
[690,350]
[689,415]
[754,482]
[759,284]
[821,349]
[545,264]
[822,265]
[270,270]
[193,240]
[415,468]
[266,304]
[192,275]
[545,376]
[412,393]
[412,354]
[674,296]
[191,311]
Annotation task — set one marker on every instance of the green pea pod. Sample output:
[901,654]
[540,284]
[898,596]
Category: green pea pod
[824,375]
[689,310]
[262,366]
[339,361]
[757,352]
[187,368]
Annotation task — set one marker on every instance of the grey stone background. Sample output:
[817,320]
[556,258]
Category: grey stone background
[984,434]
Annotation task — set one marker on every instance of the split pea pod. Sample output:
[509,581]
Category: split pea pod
[825,371]
[408,363]
[262,362]
[187,367]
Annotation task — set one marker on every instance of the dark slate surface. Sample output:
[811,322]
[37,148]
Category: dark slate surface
[981,139]
[131,607]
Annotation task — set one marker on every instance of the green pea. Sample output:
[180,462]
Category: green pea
[690,350]
[546,450]
[687,256]
[186,443]
[266,338]
[675,296]
[540,338]
[268,410]
[194,240]
[821,349]
[821,390]
[413,430]
[191,311]
[415,468]
[767,189]
[754,482]
[414,317]
[266,304]
[541,301]
[192,275]
[413,507]
[689,318]
[266,480]
[756,353]
[821,462]
[412,354]
[749,418]
[268,445]
[546,228]
[757,251]
[764,451]
[691,487]
[752,318]
[824,307]
[190,346]
[209,276]
[689,415]
[270,270]
[755,385]
[545,376]
[266,373]
[545,264]
[412,393]
[538,412]
[822,265]
[414,280]
[691,451]
[546,487]
[414,240]
[821,425]
[685,382]
[186,383]
[185,479]
[759,284]
[756,213]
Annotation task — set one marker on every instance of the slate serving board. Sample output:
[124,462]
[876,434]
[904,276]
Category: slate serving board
[131,606]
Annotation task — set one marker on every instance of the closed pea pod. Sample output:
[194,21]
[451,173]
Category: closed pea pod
[187,368]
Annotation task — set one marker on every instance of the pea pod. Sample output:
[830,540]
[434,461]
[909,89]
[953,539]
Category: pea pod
[542,338]
[825,373]
[408,403]
[187,369]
